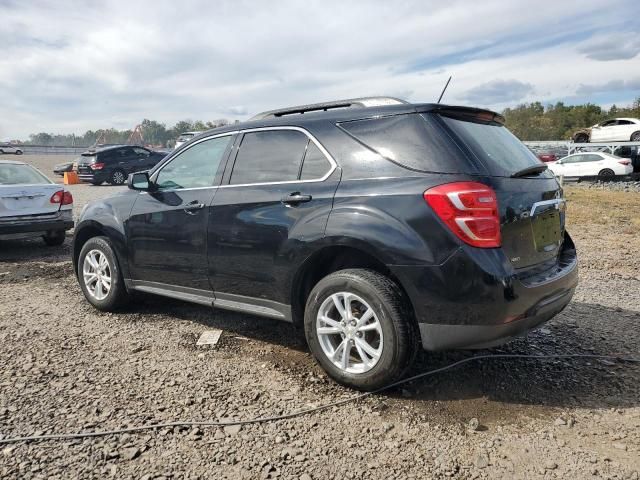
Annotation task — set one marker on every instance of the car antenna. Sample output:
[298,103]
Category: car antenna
[444,89]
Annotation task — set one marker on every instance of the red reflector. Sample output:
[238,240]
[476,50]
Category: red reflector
[97,166]
[624,162]
[470,210]
[67,198]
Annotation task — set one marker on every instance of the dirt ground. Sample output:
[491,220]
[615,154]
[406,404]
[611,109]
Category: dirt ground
[65,367]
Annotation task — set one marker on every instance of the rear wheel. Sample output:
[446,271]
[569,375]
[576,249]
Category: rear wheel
[99,275]
[635,137]
[359,328]
[606,173]
[53,239]
[118,177]
[581,138]
[18,152]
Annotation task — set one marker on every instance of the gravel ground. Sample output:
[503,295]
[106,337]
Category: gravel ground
[68,368]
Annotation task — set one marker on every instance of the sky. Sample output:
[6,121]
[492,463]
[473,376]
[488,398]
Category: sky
[71,66]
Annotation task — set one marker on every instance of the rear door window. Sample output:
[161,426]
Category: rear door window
[413,141]
[269,156]
[492,144]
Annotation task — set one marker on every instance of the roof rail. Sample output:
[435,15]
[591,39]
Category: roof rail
[325,106]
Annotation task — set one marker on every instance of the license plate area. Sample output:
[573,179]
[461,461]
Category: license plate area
[547,230]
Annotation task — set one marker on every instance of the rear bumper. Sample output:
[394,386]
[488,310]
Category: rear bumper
[62,220]
[476,299]
[98,176]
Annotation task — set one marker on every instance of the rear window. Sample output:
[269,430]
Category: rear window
[493,145]
[413,141]
[12,174]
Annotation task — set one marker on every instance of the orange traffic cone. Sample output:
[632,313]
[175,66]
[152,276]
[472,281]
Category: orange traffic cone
[71,178]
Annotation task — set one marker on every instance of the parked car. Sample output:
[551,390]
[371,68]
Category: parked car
[185,137]
[373,228]
[546,157]
[61,168]
[614,130]
[591,164]
[113,163]
[8,148]
[32,205]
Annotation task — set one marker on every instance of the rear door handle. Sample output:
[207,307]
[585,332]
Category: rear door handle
[193,207]
[296,198]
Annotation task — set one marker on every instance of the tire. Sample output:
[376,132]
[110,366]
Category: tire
[118,177]
[606,173]
[18,152]
[54,239]
[96,183]
[581,138]
[103,298]
[393,341]
[635,137]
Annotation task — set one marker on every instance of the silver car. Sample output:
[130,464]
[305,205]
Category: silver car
[32,205]
[8,148]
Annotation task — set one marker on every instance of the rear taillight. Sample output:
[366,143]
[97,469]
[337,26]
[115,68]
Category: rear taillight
[62,197]
[470,210]
[96,166]
[624,162]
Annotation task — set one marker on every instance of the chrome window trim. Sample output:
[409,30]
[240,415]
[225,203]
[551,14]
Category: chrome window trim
[324,151]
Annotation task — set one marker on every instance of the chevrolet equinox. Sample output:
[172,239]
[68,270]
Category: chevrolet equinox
[375,225]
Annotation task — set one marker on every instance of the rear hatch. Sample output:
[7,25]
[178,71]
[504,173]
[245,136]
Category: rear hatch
[24,191]
[530,200]
[84,163]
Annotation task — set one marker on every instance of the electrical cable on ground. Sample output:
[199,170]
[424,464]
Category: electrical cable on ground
[71,436]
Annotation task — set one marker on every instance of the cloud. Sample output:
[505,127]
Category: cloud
[611,86]
[72,66]
[614,46]
[498,91]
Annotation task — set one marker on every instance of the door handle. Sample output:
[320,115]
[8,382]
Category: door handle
[193,207]
[295,198]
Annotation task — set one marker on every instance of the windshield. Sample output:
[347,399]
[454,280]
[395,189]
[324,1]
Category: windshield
[494,145]
[14,174]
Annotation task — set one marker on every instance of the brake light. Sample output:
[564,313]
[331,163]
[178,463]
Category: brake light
[62,197]
[624,162]
[96,166]
[470,210]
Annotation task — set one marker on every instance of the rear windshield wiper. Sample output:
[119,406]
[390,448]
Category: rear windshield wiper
[532,170]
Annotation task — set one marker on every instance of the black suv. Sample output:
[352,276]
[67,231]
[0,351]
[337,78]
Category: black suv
[373,224]
[113,163]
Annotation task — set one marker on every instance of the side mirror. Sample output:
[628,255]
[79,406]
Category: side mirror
[139,181]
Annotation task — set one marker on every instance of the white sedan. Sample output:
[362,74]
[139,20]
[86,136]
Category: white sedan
[32,205]
[591,164]
[616,130]
[8,148]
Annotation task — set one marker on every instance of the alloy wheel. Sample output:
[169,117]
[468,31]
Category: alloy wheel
[349,332]
[96,274]
[118,177]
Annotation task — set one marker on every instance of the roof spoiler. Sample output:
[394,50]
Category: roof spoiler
[336,104]
[469,113]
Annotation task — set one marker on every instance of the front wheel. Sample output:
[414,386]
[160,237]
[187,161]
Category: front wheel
[99,275]
[359,328]
[581,138]
[635,137]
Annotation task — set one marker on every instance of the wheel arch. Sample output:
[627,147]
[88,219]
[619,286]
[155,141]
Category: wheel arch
[349,253]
